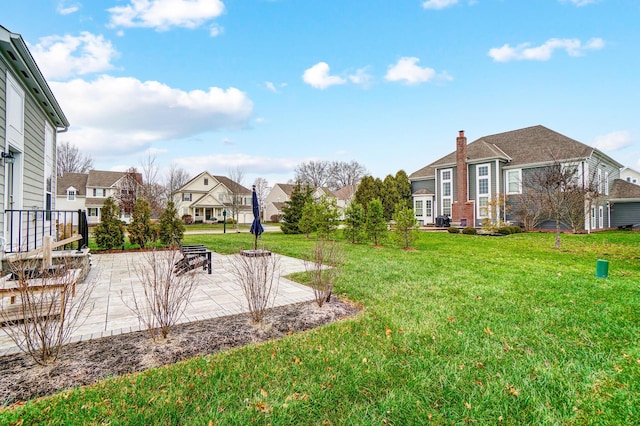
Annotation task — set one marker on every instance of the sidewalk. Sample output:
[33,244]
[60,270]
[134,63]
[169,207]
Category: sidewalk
[216,295]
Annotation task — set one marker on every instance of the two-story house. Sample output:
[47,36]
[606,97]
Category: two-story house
[88,191]
[464,183]
[30,119]
[209,198]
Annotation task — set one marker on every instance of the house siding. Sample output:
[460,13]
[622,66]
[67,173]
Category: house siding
[3,131]
[427,184]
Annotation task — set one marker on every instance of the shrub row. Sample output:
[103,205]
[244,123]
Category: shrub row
[507,230]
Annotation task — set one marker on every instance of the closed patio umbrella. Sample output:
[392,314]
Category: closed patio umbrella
[256,226]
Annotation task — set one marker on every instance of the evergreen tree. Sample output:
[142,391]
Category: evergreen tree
[171,227]
[141,231]
[307,222]
[354,220]
[375,224]
[110,231]
[403,187]
[366,192]
[292,211]
[405,225]
[389,196]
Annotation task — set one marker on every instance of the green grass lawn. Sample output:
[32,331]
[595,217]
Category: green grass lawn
[485,330]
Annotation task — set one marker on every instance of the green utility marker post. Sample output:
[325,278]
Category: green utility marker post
[602,268]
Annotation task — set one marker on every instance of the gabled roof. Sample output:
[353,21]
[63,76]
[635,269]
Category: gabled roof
[106,179]
[230,184]
[76,180]
[345,193]
[528,146]
[15,50]
[624,190]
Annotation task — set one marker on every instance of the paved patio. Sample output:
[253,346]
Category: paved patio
[216,295]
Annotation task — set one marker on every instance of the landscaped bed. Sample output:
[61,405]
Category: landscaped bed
[464,329]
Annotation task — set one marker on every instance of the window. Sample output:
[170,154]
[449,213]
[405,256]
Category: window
[593,218]
[445,189]
[206,181]
[427,208]
[95,192]
[418,208]
[601,217]
[484,189]
[71,195]
[606,183]
[104,192]
[221,197]
[186,196]
[628,178]
[514,181]
[93,212]
[600,181]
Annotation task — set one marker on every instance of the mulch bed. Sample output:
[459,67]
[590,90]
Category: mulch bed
[87,362]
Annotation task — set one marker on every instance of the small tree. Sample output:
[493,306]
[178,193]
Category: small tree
[292,211]
[375,224]
[170,226]
[258,277]
[110,231]
[46,319]
[307,223]
[165,294]
[323,269]
[355,221]
[141,231]
[406,223]
[326,217]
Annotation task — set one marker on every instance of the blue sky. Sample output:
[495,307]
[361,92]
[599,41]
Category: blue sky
[263,85]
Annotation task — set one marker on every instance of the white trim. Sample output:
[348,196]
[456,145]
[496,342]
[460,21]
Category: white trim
[446,197]
[506,181]
[479,206]
[600,217]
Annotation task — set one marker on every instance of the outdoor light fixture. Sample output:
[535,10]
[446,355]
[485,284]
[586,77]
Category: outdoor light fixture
[8,157]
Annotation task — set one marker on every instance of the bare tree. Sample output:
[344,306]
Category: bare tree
[346,174]
[165,294]
[262,190]
[71,160]
[315,174]
[236,175]
[323,269]
[128,190]
[52,304]
[258,277]
[151,190]
[175,179]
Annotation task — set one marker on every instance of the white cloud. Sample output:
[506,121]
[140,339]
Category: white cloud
[408,71]
[613,141]
[122,115]
[438,4]
[164,14]
[318,76]
[66,56]
[361,77]
[270,86]
[524,51]
[215,30]
[67,8]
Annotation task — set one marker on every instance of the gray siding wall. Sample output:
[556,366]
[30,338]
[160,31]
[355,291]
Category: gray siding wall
[625,214]
[34,122]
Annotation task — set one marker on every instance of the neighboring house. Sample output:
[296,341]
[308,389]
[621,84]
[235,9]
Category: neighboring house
[630,175]
[625,204]
[462,185]
[280,194]
[30,119]
[88,191]
[206,197]
[344,196]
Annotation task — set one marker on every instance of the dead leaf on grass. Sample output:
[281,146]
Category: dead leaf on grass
[488,331]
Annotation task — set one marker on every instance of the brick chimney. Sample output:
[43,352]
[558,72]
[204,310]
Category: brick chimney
[462,209]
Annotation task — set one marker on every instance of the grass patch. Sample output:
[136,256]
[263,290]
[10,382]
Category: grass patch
[464,329]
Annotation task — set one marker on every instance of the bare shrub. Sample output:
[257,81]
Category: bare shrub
[323,269]
[165,295]
[47,306]
[258,277]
